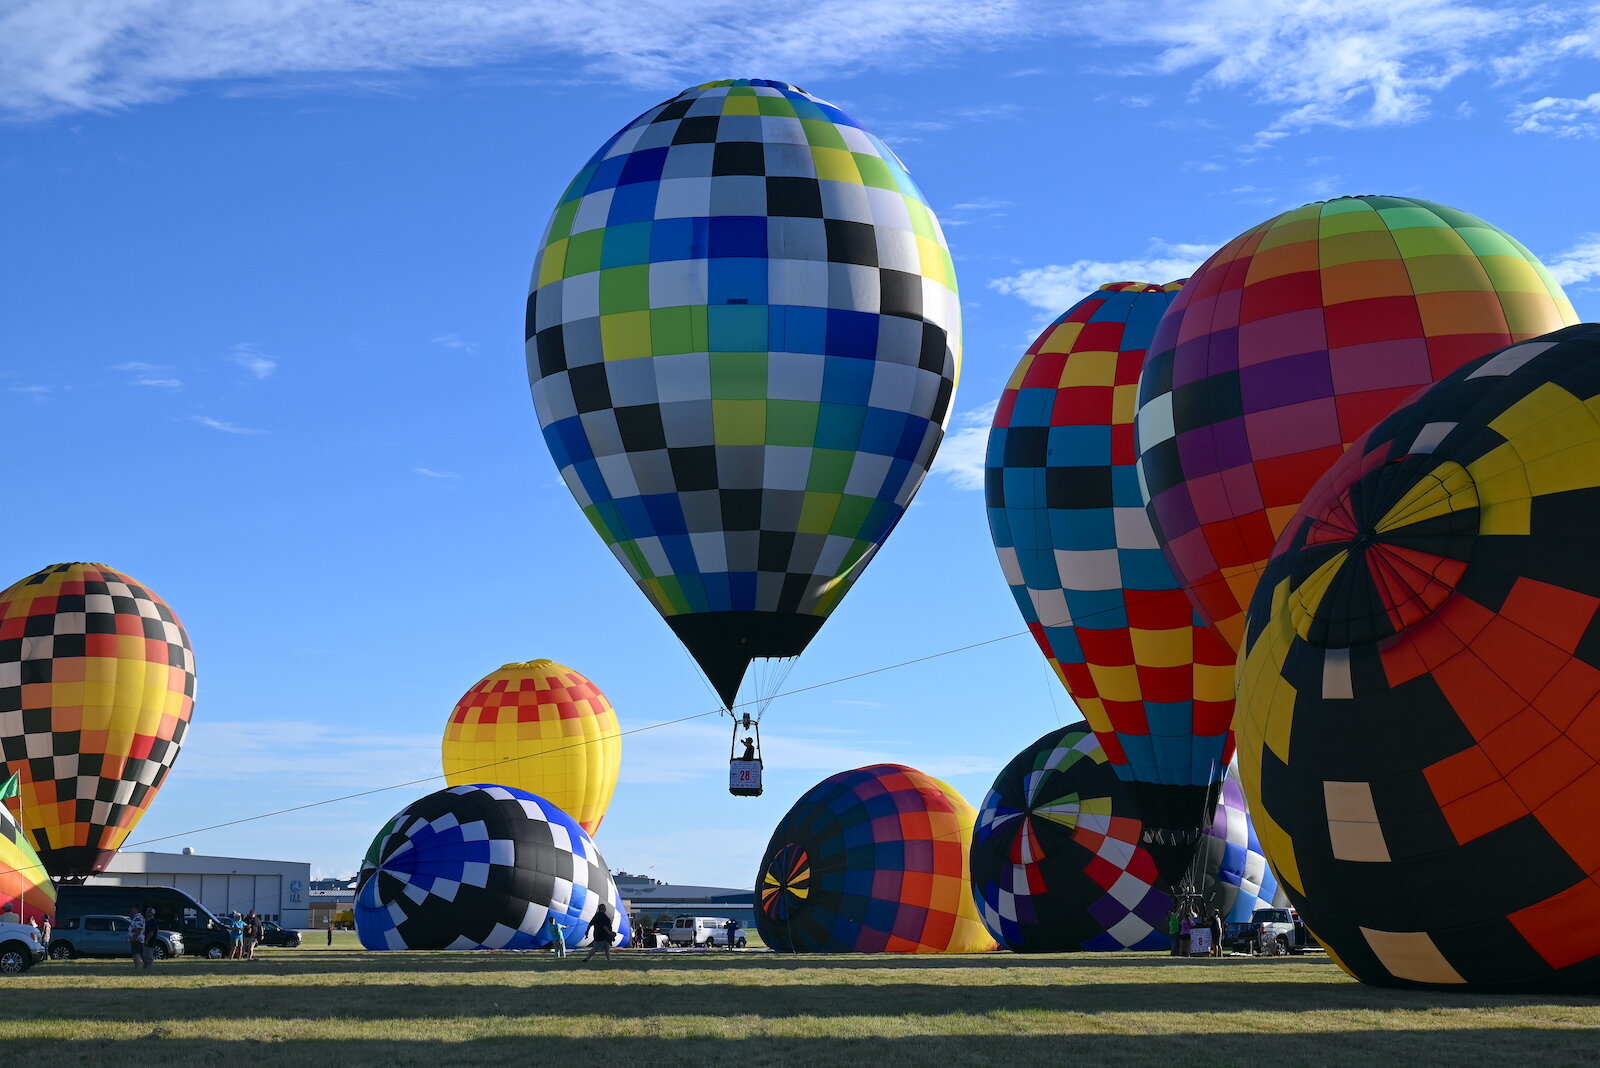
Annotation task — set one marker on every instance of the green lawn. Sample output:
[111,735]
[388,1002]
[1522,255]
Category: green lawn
[344,1006]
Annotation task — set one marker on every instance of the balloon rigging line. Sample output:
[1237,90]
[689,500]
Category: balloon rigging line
[623,734]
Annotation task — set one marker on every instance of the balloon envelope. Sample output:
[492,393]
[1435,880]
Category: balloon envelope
[1288,343]
[742,340]
[1057,863]
[542,728]
[482,867]
[1077,549]
[1419,727]
[96,688]
[871,861]
[23,880]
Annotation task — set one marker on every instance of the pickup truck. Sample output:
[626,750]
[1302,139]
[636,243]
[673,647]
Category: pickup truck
[1279,931]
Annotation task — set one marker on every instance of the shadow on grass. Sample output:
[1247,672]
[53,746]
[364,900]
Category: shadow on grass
[1451,1046]
[643,1000]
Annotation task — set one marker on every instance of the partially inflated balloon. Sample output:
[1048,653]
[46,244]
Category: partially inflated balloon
[23,880]
[1082,561]
[871,861]
[482,867]
[742,338]
[540,727]
[1057,864]
[1291,341]
[96,689]
[1419,725]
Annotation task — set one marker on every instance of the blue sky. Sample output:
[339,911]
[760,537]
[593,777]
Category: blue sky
[261,321]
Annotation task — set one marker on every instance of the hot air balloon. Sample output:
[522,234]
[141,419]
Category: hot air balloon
[23,880]
[871,861]
[1057,865]
[1419,724]
[1084,567]
[1288,343]
[96,689]
[742,339]
[542,728]
[481,867]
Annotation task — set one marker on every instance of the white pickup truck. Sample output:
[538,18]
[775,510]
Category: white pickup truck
[1279,931]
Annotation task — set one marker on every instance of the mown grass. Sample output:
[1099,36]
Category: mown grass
[323,1006]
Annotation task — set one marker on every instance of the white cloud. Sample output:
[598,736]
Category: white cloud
[140,366]
[159,383]
[108,54]
[1057,287]
[434,474]
[313,756]
[226,428]
[455,342]
[962,453]
[253,360]
[33,391]
[1580,263]
[1560,116]
[1330,62]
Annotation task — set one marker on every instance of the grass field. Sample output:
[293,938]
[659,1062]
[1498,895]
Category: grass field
[322,1006]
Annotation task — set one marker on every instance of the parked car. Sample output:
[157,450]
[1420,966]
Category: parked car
[701,931]
[200,929]
[20,948]
[274,935]
[105,936]
[1279,931]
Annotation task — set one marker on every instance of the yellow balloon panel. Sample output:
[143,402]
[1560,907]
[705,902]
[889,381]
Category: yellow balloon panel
[540,727]
[96,689]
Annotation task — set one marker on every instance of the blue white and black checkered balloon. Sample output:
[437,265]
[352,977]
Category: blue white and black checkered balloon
[482,867]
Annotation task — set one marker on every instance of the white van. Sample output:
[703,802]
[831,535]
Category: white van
[703,931]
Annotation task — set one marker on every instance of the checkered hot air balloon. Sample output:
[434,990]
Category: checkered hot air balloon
[96,688]
[871,861]
[1419,706]
[742,338]
[1087,574]
[541,727]
[1292,340]
[1057,863]
[482,867]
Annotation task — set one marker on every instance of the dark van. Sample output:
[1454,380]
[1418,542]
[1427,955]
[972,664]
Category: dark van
[203,934]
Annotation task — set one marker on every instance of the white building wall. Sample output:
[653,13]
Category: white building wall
[274,888]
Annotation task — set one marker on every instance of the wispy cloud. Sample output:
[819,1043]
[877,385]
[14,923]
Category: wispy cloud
[1578,264]
[1560,116]
[1350,63]
[249,356]
[962,453]
[227,428]
[117,53]
[37,392]
[1057,287]
[155,375]
[455,342]
[434,474]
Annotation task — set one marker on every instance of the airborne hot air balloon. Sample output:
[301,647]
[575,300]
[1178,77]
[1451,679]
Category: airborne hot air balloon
[540,727]
[1076,547]
[482,867]
[97,684]
[1292,340]
[742,340]
[871,861]
[1419,725]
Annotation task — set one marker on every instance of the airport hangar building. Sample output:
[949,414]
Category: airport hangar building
[277,889]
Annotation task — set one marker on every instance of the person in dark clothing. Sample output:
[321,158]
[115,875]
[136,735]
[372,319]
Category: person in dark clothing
[152,935]
[604,934]
[732,927]
[749,750]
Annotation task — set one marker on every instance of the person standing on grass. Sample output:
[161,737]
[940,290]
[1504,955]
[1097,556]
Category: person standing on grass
[330,934]
[252,934]
[1216,932]
[604,934]
[44,931]
[558,935]
[732,927]
[1174,926]
[136,938]
[235,936]
[152,935]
